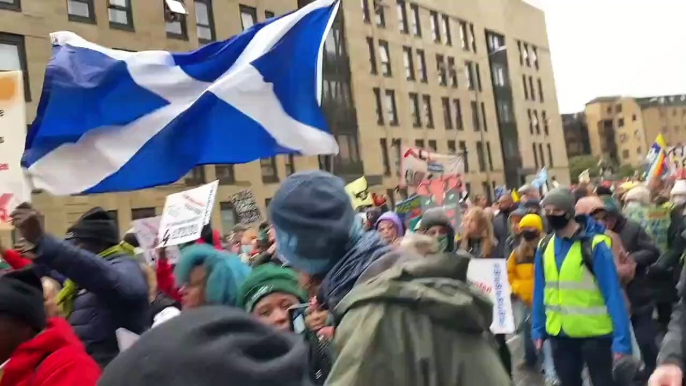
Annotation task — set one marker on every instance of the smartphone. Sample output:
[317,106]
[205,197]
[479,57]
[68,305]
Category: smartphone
[296,316]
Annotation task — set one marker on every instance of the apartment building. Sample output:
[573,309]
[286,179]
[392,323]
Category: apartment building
[137,25]
[470,77]
[622,129]
[576,134]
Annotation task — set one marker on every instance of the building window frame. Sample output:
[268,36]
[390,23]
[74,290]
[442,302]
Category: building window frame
[385,58]
[435,26]
[141,213]
[421,66]
[90,19]
[226,174]
[268,14]
[481,157]
[289,162]
[428,111]
[475,116]
[403,25]
[447,31]
[391,107]
[452,72]
[272,176]
[489,157]
[379,107]
[540,91]
[442,70]
[383,142]
[447,113]
[379,14]
[465,154]
[13,6]
[550,155]
[483,116]
[127,9]
[373,69]
[226,208]
[171,18]
[19,41]
[458,114]
[251,12]
[210,21]
[416,20]
[195,176]
[416,110]
[408,62]
[365,11]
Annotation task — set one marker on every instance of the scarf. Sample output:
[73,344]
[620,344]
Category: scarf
[67,295]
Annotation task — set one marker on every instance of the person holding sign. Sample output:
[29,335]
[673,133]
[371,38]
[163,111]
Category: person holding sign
[578,300]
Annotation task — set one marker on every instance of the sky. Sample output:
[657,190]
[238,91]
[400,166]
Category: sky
[615,47]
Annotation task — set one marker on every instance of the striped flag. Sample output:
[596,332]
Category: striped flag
[657,159]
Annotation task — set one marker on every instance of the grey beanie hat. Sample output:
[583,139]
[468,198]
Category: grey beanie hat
[561,198]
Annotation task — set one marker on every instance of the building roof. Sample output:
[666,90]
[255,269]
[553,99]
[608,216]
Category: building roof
[662,100]
[613,98]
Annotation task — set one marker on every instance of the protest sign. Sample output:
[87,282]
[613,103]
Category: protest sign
[676,158]
[358,191]
[655,220]
[490,275]
[126,339]
[409,210]
[246,207]
[146,231]
[419,166]
[14,188]
[185,214]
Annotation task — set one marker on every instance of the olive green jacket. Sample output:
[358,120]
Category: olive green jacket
[416,324]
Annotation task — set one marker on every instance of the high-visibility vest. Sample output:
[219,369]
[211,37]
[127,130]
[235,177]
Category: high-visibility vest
[573,302]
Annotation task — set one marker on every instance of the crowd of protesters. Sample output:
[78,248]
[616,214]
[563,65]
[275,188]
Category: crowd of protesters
[323,294]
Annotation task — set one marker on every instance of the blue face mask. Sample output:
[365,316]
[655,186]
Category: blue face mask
[246,249]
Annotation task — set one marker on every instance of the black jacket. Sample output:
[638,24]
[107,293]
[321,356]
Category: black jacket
[665,272]
[673,345]
[644,251]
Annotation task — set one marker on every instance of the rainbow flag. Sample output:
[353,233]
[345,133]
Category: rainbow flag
[657,158]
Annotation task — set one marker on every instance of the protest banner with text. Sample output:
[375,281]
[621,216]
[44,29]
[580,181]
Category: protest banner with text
[490,276]
[246,207]
[147,230]
[185,214]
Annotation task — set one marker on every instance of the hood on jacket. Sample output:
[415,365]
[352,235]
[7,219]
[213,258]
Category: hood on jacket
[588,228]
[435,286]
[392,217]
[437,216]
[57,335]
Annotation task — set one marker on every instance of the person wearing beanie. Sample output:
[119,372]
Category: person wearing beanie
[208,276]
[390,228]
[501,223]
[106,288]
[413,310]
[34,349]
[578,303]
[436,224]
[211,346]
[514,238]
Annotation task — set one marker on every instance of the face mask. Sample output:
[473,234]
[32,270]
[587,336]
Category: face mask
[530,235]
[246,249]
[558,222]
[442,243]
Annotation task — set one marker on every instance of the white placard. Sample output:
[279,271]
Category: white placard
[126,339]
[490,275]
[14,188]
[185,214]
[146,231]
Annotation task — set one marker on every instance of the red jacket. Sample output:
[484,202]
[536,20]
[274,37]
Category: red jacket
[55,357]
[15,259]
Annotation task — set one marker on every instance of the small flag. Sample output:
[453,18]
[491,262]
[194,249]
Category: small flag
[657,159]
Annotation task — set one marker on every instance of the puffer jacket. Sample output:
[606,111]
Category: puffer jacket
[114,294]
[417,324]
[521,278]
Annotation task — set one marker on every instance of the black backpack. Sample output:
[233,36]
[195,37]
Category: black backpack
[586,251]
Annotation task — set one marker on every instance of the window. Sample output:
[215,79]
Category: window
[546,128]
[228,215]
[290,164]
[463,152]
[380,15]
[483,116]
[625,154]
[468,72]
[620,123]
[550,155]
[433,145]
[499,75]
[535,149]
[13,57]
[384,157]
[618,108]
[531,87]
[531,121]
[435,28]
[446,30]
[521,56]
[204,21]
[488,154]
[416,116]
[609,110]
[13,5]
[195,177]
[504,111]
[379,108]
[540,91]
[452,72]
[458,114]
[270,173]
[540,153]
[384,55]
[119,14]
[268,15]
[248,16]
[451,147]
[175,20]
[634,118]
[463,36]
[349,152]
[365,10]
[421,66]
[638,151]
[537,125]
[480,156]
[416,22]
[81,10]
[442,73]
[372,56]
[526,89]
[419,143]
[141,213]
[526,56]
[447,113]
[402,17]
[408,61]
[225,174]
[534,56]
[475,116]
[478,77]
[472,37]
[428,113]
[397,143]
[391,109]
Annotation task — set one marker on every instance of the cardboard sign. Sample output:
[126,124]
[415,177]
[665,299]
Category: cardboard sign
[146,230]
[246,207]
[419,166]
[490,276]
[185,214]
[358,191]
[14,188]
[655,221]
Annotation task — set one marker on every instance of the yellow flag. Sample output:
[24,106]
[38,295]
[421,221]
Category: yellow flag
[515,196]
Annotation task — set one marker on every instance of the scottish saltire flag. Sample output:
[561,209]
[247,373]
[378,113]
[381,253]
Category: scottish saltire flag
[657,160]
[112,120]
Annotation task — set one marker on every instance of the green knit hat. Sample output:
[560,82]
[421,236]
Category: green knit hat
[268,279]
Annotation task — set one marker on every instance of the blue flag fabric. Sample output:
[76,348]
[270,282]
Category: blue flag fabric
[111,120]
[541,178]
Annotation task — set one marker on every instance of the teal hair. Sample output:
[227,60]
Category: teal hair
[225,272]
